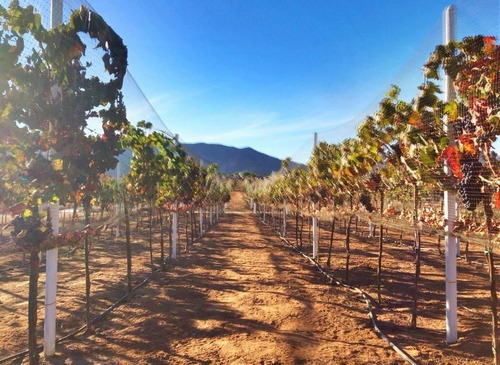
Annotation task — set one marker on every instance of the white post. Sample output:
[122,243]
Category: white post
[254,208]
[314,218]
[284,219]
[201,221]
[264,212]
[211,213]
[117,204]
[51,256]
[315,232]
[449,206]
[457,217]
[174,234]
[217,213]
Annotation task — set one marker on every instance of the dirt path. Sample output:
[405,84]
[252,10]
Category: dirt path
[239,297]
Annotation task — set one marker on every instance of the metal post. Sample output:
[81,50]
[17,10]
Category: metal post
[56,13]
[201,221]
[314,218]
[174,234]
[51,256]
[449,205]
[284,219]
[117,204]
[457,217]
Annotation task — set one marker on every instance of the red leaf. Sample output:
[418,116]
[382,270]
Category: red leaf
[489,40]
[468,145]
[452,156]
[497,200]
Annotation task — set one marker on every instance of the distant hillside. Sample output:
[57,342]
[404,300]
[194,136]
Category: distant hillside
[232,159]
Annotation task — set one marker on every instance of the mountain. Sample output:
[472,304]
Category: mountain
[232,159]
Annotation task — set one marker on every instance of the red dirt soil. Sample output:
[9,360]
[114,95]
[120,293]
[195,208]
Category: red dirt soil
[242,296]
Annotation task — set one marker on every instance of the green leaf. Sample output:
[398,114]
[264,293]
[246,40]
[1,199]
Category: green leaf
[451,109]
[428,156]
[443,143]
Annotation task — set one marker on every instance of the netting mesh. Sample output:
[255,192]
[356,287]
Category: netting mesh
[472,18]
[137,104]
[380,180]
[418,167]
[472,162]
[106,212]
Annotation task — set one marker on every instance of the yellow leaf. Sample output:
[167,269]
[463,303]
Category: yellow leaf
[452,110]
[57,164]
[415,119]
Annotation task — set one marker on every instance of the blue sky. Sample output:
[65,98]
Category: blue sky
[267,74]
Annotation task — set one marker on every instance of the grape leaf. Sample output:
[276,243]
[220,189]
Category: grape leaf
[452,156]
[497,199]
[452,110]
[467,145]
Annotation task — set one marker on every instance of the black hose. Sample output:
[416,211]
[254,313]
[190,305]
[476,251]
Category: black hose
[365,296]
[95,319]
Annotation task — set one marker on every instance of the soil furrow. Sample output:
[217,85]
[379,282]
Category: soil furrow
[240,296]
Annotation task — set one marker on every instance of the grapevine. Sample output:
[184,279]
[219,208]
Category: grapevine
[366,201]
[470,186]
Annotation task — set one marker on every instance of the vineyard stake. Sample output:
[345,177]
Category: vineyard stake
[51,256]
[201,221]
[314,218]
[174,233]
[284,219]
[450,204]
[117,204]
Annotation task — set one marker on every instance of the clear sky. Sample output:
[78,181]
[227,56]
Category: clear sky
[267,73]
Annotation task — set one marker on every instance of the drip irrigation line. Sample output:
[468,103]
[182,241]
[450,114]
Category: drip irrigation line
[368,300]
[9,269]
[101,315]
[94,320]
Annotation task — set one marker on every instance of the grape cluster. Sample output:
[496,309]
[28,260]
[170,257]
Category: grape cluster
[366,201]
[465,125]
[28,232]
[376,178]
[470,185]
[397,149]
